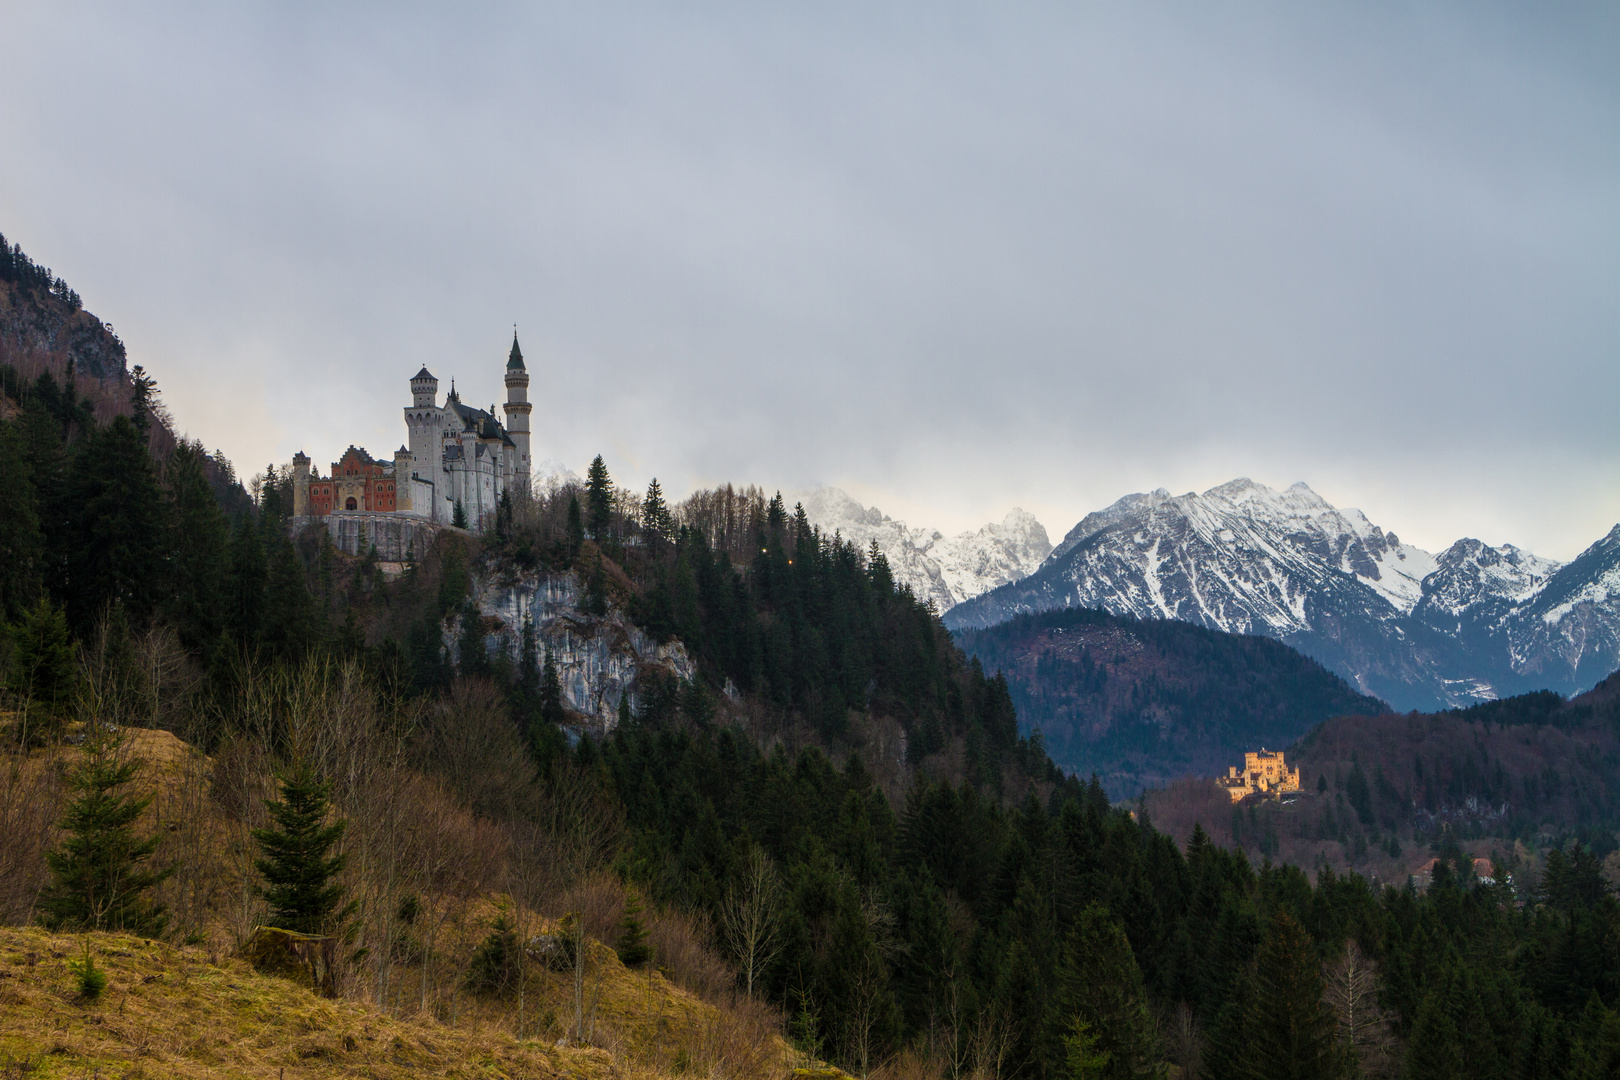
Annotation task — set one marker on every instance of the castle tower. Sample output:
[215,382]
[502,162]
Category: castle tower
[517,410]
[424,420]
[300,484]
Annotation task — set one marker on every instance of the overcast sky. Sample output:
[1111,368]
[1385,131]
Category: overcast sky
[952,259]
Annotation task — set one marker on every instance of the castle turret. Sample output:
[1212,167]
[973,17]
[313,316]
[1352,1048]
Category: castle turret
[402,480]
[300,484]
[424,390]
[517,413]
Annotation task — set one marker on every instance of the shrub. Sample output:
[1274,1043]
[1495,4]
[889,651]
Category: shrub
[92,980]
[497,964]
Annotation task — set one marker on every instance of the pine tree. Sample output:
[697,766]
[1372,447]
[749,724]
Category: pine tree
[1104,992]
[1291,1033]
[199,543]
[142,398]
[290,625]
[598,499]
[551,695]
[632,944]
[117,552]
[503,517]
[44,672]
[249,575]
[576,526]
[458,516]
[298,874]
[655,520]
[102,872]
[22,543]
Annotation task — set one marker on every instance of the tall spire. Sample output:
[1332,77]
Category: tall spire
[514,362]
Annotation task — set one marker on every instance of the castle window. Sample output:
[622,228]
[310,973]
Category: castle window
[350,504]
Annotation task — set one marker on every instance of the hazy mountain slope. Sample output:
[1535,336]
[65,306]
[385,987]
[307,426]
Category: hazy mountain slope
[1142,702]
[944,569]
[43,320]
[1419,631]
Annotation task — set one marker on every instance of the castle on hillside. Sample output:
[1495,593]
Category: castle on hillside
[458,457]
[1264,773]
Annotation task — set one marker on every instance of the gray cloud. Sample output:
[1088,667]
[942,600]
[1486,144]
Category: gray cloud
[951,258]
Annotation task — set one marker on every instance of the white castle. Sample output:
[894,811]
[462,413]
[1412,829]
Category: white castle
[458,457]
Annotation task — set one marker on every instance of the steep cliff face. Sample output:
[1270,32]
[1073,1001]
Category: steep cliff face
[601,659]
[41,318]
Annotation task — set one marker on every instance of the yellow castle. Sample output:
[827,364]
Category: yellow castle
[1264,773]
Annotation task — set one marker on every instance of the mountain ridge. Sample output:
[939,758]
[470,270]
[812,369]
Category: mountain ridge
[1418,630]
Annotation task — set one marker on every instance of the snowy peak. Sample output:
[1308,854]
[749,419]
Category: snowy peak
[1416,629]
[944,569]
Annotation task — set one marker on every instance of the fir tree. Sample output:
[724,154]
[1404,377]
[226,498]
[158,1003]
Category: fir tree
[142,398]
[551,694]
[576,526]
[103,870]
[117,549]
[598,499]
[290,622]
[632,944]
[1104,992]
[458,516]
[298,875]
[249,574]
[199,543]
[503,517]
[656,523]
[44,670]
[22,543]
[1290,1031]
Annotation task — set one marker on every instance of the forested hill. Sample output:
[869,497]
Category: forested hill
[1145,702]
[43,322]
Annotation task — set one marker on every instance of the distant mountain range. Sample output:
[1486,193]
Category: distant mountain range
[1420,631]
[944,569]
[1144,702]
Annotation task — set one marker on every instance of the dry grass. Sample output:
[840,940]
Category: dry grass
[170,1012]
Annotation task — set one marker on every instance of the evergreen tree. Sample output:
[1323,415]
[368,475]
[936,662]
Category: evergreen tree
[1104,992]
[290,623]
[22,543]
[575,526]
[552,710]
[116,556]
[458,516]
[249,575]
[1290,1031]
[632,944]
[503,517]
[598,499]
[200,543]
[298,875]
[102,872]
[142,398]
[656,523]
[44,672]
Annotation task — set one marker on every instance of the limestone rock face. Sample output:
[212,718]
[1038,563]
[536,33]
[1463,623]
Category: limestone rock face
[600,659]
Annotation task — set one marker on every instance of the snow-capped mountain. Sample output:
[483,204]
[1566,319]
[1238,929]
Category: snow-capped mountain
[944,569]
[1418,630]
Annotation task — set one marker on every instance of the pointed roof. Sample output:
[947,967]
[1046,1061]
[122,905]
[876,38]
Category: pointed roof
[514,362]
[423,374]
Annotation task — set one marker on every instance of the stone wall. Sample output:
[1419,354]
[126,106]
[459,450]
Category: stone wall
[398,537]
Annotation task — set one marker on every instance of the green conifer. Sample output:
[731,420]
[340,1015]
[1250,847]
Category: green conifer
[44,674]
[1104,992]
[22,543]
[1290,1031]
[576,526]
[298,875]
[199,543]
[598,499]
[656,523]
[116,554]
[101,873]
[458,516]
[632,944]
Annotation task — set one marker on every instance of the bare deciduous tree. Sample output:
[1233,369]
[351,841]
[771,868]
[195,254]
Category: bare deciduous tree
[1351,991]
[748,916]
